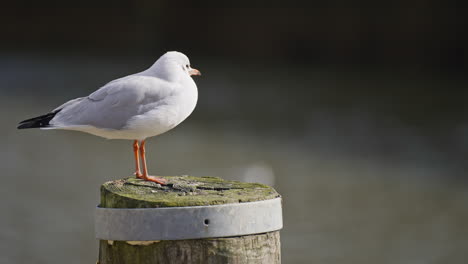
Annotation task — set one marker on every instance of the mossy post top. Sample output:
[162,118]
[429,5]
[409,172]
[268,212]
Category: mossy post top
[181,191]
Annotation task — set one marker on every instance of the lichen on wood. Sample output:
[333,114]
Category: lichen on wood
[181,191]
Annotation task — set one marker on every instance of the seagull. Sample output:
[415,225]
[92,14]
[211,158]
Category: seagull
[134,107]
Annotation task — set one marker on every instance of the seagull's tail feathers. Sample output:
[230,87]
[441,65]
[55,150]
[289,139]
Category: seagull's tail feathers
[38,122]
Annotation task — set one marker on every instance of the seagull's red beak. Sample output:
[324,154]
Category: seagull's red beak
[194,72]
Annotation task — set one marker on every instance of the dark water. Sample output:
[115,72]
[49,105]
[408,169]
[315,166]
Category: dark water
[366,176]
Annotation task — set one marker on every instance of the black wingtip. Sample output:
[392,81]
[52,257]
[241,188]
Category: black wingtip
[24,126]
[37,122]
[31,124]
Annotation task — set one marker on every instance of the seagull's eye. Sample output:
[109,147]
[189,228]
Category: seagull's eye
[187,66]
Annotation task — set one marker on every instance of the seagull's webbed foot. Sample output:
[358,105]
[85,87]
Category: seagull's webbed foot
[155,179]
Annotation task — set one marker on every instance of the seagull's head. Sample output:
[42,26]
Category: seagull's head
[173,64]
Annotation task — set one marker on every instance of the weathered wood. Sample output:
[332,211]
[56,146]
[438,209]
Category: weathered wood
[262,248]
[188,191]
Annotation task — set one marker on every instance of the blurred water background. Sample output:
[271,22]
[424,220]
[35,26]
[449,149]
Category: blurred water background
[366,140]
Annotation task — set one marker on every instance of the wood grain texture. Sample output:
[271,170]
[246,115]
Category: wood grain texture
[255,249]
[188,191]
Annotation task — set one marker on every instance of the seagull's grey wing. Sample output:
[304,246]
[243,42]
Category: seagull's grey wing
[114,104]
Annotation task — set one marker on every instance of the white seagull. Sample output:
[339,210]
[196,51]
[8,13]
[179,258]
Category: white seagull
[134,107]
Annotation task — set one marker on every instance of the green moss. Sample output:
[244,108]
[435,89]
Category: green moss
[181,191]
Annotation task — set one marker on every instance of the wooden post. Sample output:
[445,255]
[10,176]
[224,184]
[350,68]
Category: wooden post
[185,191]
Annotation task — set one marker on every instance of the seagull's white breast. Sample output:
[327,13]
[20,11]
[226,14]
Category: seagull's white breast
[167,113]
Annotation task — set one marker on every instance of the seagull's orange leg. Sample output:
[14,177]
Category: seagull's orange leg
[137,159]
[145,175]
